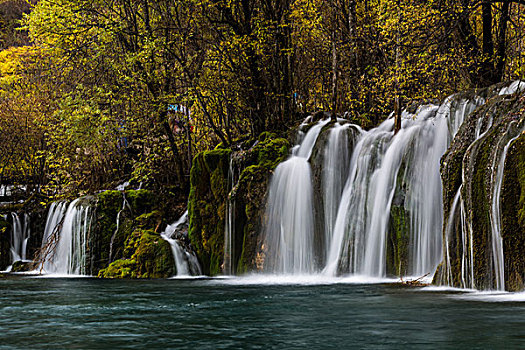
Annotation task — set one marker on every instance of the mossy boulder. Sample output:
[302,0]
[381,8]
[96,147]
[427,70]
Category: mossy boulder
[22,266]
[146,255]
[135,209]
[398,241]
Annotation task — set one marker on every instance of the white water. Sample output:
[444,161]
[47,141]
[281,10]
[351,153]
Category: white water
[229,229]
[186,263]
[290,228]
[124,205]
[19,236]
[383,170]
[513,87]
[495,220]
[400,170]
[335,169]
[66,236]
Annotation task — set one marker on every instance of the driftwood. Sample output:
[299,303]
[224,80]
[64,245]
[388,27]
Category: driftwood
[418,282]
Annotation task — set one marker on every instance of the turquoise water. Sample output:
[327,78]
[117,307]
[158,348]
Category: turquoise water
[217,314]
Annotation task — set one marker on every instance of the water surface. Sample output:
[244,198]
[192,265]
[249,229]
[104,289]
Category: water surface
[87,313]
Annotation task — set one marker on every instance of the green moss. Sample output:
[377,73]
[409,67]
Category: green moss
[272,152]
[208,197]
[206,207]
[149,220]
[141,201]
[146,255]
[21,266]
[512,215]
[122,268]
[141,211]
[399,239]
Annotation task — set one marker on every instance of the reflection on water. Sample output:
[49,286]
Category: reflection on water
[257,312]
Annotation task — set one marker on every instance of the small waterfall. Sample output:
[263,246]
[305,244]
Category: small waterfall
[124,205]
[66,237]
[495,219]
[229,267]
[459,231]
[19,237]
[186,262]
[290,228]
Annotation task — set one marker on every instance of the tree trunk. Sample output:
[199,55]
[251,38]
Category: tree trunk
[502,42]
[334,77]
[487,66]
[175,150]
[397,112]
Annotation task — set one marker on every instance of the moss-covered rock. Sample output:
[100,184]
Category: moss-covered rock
[471,167]
[398,242]
[513,215]
[134,209]
[253,163]
[22,266]
[206,207]
[146,255]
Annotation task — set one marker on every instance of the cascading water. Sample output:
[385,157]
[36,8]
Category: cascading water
[336,163]
[400,171]
[229,229]
[124,205]
[186,262]
[19,236]
[463,265]
[66,237]
[495,219]
[386,175]
[290,228]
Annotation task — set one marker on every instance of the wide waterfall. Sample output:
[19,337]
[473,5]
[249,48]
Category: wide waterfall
[186,262]
[66,237]
[381,196]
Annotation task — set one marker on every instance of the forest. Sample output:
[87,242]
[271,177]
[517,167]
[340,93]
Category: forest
[97,92]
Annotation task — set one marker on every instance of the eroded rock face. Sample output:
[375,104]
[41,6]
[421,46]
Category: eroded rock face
[470,182]
[237,180]
[513,215]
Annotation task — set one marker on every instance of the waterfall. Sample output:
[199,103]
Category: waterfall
[459,230]
[186,262]
[336,163]
[19,237]
[400,172]
[66,237]
[290,228]
[495,218]
[124,205]
[368,187]
[229,226]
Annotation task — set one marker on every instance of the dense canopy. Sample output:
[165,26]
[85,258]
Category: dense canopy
[95,92]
